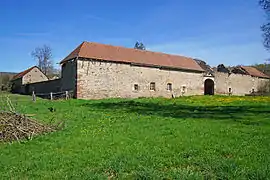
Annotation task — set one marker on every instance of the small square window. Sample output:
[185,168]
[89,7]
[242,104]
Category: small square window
[152,86]
[183,88]
[136,87]
[230,91]
[169,86]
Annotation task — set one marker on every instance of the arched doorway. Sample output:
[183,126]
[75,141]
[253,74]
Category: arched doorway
[209,87]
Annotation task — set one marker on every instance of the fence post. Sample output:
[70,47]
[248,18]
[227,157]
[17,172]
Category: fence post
[51,96]
[66,95]
[33,96]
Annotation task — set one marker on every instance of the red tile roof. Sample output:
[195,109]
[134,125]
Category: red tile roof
[129,55]
[21,74]
[254,72]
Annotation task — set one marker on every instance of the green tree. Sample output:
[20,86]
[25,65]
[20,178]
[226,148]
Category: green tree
[264,87]
[139,45]
[4,82]
[265,4]
[265,68]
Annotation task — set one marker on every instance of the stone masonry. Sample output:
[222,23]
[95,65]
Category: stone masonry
[33,76]
[238,83]
[97,79]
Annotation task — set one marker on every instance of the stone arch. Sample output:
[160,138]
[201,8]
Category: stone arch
[209,86]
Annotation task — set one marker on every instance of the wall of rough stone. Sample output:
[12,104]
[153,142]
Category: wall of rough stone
[263,84]
[239,84]
[16,86]
[43,87]
[97,79]
[35,75]
[69,73]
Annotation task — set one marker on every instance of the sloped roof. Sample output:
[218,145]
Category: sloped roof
[248,70]
[204,66]
[21,74]
[254,72]
[129,55]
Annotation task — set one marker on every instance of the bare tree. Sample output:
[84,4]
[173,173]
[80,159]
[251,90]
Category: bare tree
[43,55]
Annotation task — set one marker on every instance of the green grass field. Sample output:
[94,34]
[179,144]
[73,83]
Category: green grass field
[186,138]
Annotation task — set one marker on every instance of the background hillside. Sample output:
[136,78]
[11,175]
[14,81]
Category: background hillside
[5,77]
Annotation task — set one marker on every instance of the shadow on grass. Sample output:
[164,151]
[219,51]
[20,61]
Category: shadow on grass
[249,115]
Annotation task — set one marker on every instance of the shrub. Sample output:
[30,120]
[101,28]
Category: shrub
[264,88]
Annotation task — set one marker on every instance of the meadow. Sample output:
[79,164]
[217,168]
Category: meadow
[199,137]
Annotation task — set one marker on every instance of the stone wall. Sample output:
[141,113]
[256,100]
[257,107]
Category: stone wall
[97,79]
[16,86]
[69,72]
[239,84]
[35,75]
[43,87]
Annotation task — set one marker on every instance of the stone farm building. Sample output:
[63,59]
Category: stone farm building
[95,71]
[31,75]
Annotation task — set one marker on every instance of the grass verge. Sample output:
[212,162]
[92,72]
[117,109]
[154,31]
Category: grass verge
[186,138]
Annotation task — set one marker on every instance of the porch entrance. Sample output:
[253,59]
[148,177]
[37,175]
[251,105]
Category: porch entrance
[209,87]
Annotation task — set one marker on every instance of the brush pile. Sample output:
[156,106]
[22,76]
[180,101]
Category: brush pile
[16,127]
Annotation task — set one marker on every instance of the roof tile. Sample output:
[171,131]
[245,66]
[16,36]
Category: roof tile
[254,72]
[21,74]
[130,55]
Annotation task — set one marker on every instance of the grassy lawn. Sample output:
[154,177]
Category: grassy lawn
[186,138]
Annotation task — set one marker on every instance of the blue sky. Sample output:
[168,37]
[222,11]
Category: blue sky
[216,31]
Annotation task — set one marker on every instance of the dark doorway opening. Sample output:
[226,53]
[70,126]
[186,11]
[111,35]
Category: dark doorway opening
[209,87]
[27,90]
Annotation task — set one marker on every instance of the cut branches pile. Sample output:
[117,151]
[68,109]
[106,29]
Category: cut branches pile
[16,127]
[19,127]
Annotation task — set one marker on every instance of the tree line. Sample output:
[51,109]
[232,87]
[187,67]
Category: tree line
[265,5]
[5,78]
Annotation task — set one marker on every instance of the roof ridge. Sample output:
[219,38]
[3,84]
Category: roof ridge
[82,45]
[75,52]
[130,55]
[139,50]
[20,74]
[259,73]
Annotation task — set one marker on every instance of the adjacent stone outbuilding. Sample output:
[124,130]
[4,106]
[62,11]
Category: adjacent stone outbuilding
[240,80]
[31,75]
